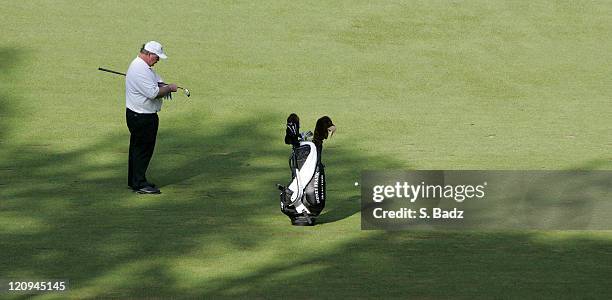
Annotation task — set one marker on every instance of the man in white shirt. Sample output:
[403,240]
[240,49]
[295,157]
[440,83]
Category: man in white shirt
[143,92]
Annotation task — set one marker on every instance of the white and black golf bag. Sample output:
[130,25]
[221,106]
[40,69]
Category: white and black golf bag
[304,197]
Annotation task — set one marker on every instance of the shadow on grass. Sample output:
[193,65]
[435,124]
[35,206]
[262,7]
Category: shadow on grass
[217,232]
[339,209]
[438,265]
[9,59]
[69,215]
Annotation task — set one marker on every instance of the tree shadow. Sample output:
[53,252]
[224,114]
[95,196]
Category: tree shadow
[9,60]
[69,215]
[438,265]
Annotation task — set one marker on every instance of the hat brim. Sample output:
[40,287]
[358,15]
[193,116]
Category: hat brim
[162,56]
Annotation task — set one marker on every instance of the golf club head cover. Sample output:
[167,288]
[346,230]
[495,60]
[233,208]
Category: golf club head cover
[292,133]
[323,129]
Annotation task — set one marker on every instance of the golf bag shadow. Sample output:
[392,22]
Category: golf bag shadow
[304,198]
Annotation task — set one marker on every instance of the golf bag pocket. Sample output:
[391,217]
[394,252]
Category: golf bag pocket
[315,191]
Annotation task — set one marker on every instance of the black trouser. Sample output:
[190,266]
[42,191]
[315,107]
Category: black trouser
[143,133]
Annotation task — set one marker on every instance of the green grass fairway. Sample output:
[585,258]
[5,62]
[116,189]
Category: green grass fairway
[452,85]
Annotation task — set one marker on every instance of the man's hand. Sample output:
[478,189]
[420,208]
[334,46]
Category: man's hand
[172,87]
[165,89]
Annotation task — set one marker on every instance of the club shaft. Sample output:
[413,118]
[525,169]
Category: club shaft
[123,74]
[111,71]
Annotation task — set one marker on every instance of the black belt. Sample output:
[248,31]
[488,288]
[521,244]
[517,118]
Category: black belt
[127,110]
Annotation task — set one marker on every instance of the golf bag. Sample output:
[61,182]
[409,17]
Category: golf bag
[304,198]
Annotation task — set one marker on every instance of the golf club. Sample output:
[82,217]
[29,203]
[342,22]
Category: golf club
[186,91]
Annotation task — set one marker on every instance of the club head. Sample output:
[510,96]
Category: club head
[187,92]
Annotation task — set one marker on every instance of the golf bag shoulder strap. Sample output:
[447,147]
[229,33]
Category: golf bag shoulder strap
[301,153]
[303,164]
[307,157]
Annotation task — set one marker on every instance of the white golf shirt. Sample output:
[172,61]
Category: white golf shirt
[141,88]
